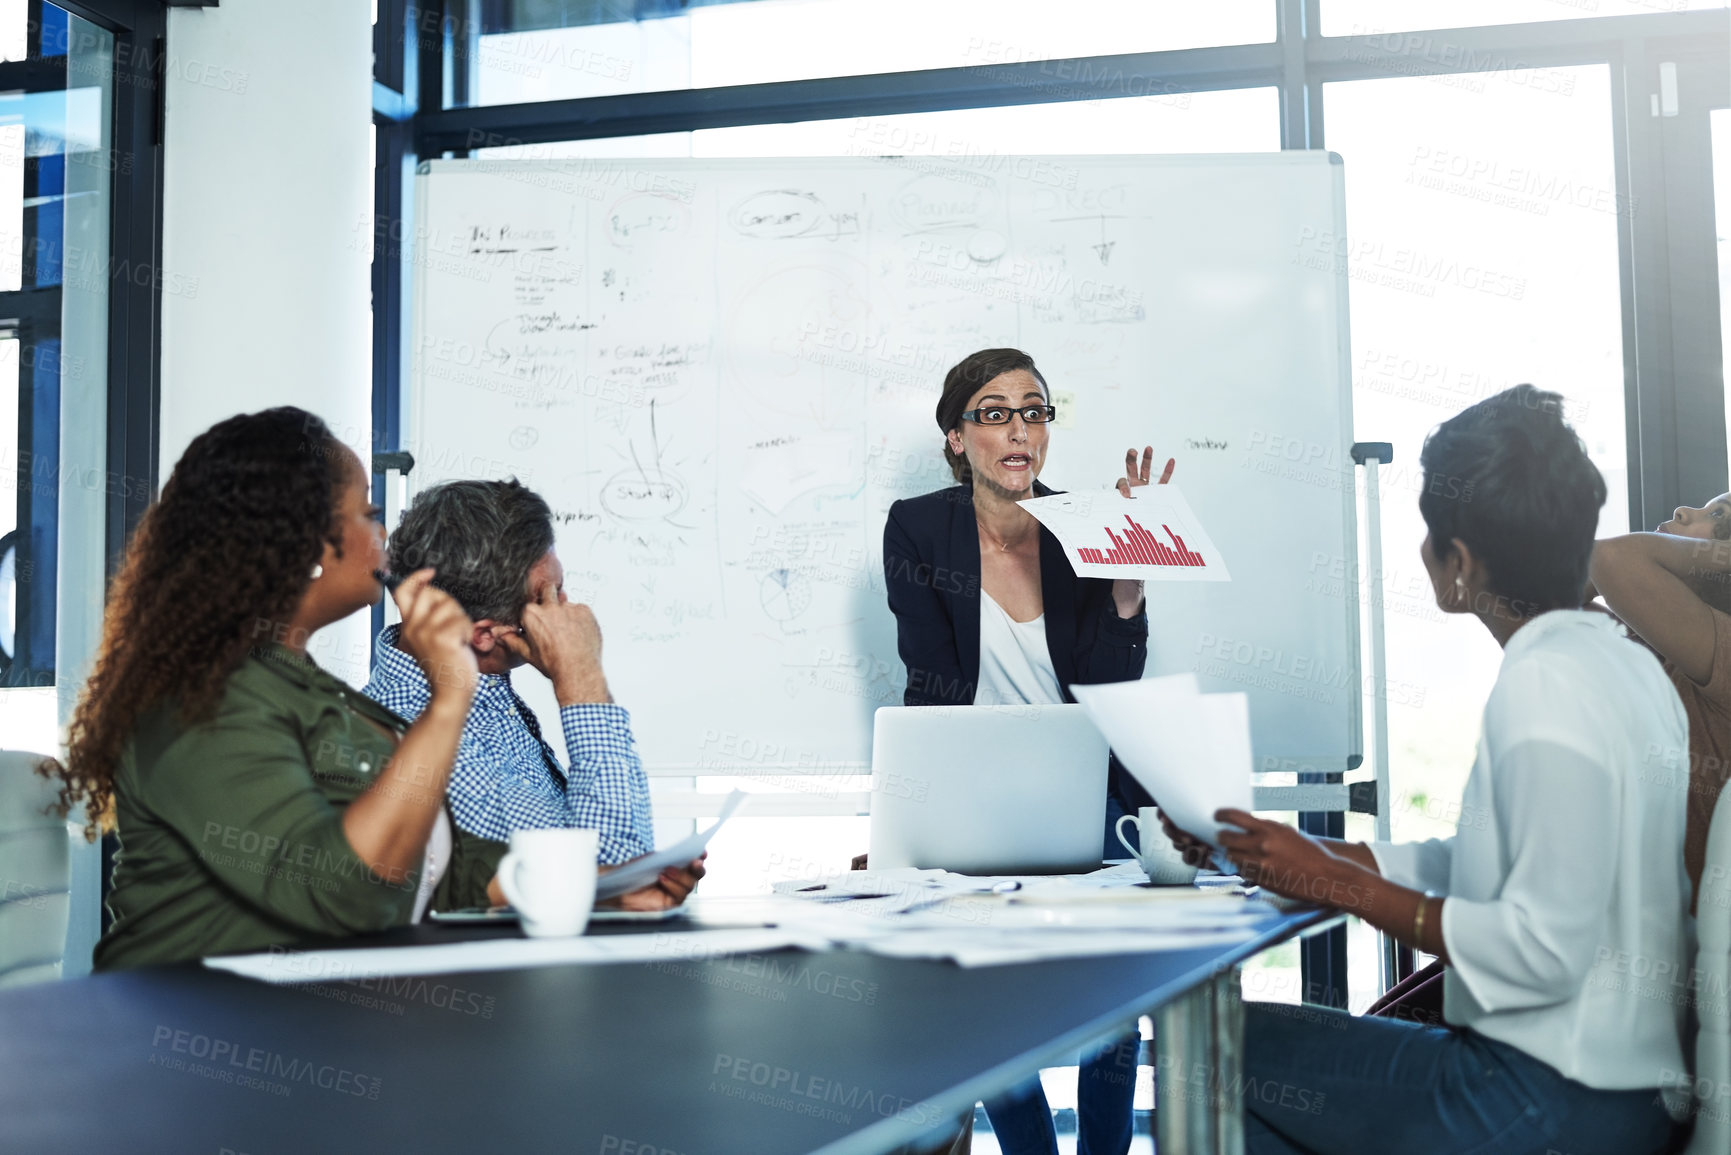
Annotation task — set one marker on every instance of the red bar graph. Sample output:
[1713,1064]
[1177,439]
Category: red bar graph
[1139,547]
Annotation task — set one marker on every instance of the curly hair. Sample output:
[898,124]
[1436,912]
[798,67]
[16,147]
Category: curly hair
[228,545]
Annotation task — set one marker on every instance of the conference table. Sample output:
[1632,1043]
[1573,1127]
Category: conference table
[790,1051]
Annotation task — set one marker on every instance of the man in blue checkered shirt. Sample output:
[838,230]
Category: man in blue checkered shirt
[490,544]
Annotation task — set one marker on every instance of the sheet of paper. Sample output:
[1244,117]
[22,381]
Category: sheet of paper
[641,872]
[1153,536]
[1191,751]
[496,954]
[1059,906]
[884,891]
[1000,948]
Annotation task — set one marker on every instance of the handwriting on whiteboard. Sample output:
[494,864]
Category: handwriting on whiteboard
[784,214]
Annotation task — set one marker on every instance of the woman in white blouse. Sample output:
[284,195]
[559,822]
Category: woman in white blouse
[1560,905]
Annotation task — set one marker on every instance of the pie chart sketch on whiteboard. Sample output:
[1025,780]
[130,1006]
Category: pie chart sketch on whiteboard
[784,594]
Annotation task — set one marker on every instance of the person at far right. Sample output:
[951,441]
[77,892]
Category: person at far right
[1560,906]
[1673,590]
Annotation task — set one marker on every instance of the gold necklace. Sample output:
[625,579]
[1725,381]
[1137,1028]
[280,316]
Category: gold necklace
[1003,546]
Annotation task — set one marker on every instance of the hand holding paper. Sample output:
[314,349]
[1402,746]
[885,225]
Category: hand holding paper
[1191,750]
[1152,536]
[641,872]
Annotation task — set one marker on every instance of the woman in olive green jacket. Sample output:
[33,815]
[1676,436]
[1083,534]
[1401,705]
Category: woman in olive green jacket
[259,800]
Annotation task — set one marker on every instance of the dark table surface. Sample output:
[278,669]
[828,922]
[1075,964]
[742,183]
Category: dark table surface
[758,1054]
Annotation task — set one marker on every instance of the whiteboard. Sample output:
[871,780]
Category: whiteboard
[720,373]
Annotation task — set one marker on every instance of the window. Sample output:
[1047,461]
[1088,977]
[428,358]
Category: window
[531,50]
[80,290]
[1238,120]
[1483,254]
[55,175]
[1369,17]
[14,29]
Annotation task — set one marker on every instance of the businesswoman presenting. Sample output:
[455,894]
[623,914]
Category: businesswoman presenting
[989,612]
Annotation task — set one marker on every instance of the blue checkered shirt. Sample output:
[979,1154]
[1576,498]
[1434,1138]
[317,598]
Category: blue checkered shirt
[502,781]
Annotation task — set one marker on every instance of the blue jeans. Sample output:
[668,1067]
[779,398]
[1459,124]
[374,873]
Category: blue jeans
[1105,1084]
[1320,1081]
[1105,1102]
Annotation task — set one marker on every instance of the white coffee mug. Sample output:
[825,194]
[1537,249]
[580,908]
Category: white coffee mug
[1160,860]
[549,877]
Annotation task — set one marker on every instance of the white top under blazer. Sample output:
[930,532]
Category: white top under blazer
[1567,920]
[1015,662]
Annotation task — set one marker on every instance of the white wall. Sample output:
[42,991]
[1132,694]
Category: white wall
[267,212]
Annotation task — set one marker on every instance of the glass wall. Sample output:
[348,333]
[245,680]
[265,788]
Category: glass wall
[1483,254]
[533,50]
[1369,17]
[1237,120]
[56,166]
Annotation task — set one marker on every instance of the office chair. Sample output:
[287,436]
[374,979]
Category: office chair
[35,873]
[1713,1003]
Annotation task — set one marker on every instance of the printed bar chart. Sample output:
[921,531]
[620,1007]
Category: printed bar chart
[1139,547]
[1105,535]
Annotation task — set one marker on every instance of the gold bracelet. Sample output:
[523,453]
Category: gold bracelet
[1418,922]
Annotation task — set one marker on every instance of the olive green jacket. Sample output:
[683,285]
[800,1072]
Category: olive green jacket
[231,835]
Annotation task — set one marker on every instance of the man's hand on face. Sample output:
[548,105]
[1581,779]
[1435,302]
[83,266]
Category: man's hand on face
[563,641]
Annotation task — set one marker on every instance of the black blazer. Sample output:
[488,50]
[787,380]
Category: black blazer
[932,576]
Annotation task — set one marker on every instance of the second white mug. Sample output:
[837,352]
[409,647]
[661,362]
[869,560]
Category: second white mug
[1159,859]
[549,877]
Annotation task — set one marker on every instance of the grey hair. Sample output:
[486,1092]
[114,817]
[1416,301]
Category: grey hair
[482,538]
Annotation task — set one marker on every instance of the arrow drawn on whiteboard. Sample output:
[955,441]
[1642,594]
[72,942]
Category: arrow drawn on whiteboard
[655,442]
[1104,248]
[637,495]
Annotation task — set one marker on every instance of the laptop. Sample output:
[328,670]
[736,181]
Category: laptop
[987,789]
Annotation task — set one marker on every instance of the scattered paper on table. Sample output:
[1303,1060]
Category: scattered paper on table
[885,891]
[1191,751]
[1001,948]
[1153,536]
[936,914]
[496,954]
[897,913]
[643,871]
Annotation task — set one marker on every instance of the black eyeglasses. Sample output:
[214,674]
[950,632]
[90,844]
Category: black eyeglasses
[1000,414]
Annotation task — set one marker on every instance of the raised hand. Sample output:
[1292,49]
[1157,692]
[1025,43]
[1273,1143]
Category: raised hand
[1138,473]
[436,634]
